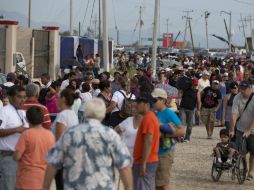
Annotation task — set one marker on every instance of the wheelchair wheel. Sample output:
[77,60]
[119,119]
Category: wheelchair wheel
[241,169]
[216,173]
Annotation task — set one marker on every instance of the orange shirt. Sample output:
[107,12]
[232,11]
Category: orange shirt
[34,145]
[149,125]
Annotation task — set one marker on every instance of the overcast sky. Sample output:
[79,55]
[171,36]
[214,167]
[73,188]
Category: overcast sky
[125,14]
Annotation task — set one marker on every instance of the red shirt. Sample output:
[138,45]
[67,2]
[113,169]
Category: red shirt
[46,121]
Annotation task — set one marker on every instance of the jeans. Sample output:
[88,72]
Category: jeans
[8,169]
[186,117]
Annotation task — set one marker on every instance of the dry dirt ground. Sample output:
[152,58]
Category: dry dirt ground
[192,166]
[193,162]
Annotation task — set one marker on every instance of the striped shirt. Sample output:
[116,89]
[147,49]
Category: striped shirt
[33,102]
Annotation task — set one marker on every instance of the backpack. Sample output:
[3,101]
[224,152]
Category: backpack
[128,106]
[184,83]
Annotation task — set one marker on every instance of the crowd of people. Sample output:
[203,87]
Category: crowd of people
[79,128]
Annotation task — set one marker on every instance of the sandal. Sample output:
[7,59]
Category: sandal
[249,177]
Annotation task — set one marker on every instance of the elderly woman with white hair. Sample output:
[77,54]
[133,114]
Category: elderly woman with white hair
[89,152]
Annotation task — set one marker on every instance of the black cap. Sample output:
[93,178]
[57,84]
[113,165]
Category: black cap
[245,84]
[233,85]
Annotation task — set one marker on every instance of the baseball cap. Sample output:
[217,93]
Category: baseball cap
[225,75]
[206,73]
[216,81]
[159,93]
[244,84]
[233,85]
[11,76]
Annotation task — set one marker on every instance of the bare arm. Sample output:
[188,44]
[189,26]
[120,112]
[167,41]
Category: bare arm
[233,122]
[118,130]
[126,177]
[59,130]
[8,132]
[218,106]
[147,147]
[179,132]
[111,106]
[225,105]
[49,176]
[199,100]
[17,155]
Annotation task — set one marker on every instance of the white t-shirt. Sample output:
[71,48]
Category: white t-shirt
[64,84]
[85,97]
[128,133]
[11,118]
[76,105]
[119,98]
[202,84]
[67,117]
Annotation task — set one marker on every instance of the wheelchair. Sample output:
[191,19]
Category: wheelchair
[238,168]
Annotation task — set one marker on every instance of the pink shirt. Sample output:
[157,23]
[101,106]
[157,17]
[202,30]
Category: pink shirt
[51,104]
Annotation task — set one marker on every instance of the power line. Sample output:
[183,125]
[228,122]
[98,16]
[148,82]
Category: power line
[91,15]
[84,15]
[244,2]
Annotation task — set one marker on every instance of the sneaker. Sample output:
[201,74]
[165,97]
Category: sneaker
[219,160]
[186,140]
[209,137]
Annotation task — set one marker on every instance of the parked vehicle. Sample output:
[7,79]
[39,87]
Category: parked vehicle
[185,52]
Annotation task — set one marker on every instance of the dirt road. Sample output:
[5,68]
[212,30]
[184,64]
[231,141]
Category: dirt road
[192,167]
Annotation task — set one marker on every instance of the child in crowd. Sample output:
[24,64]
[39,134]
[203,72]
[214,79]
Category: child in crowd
[224,150]
[31,151]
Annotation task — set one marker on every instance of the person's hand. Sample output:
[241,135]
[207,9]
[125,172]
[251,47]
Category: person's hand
[198,113]
[215,110]
[143,169]
[246,133]
[21,129]
[231,133]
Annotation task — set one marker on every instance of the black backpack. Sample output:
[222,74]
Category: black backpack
[184,83]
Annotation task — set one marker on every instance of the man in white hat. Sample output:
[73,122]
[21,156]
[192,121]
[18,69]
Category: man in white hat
[204,82]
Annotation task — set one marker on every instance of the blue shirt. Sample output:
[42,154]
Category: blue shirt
[167,116]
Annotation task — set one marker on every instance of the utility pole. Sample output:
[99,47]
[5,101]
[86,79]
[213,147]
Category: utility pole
[95,26]
[249,19]
[230,29]
[71,27]
[155,29]
[244,34]
[105,36]
[192,41]
[79,28]
[140,26]
[207,14]
[167,32]
[186,23]
[29,14]
[99,19]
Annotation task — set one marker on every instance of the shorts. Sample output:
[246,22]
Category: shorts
[207,115]
[164,169]
[147,181]
[246,147]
